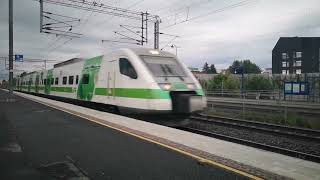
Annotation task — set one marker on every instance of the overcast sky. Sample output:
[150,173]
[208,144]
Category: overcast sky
[219,35]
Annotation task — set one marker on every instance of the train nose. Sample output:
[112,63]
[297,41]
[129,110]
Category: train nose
[186,102]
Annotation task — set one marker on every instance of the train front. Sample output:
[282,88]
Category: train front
[175,79]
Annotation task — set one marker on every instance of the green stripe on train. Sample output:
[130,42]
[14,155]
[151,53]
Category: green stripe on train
[134,93]
[124,92]
[62,89]
[200,92]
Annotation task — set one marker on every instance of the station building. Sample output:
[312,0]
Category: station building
[296,55]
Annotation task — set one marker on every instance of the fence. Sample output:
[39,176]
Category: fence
[274,88]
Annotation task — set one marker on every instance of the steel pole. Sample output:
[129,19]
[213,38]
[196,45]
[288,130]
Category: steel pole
[41,15]
[156,34]
[11,46]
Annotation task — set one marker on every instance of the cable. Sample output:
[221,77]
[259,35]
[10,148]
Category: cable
[57,47]
[184,7]
[232,6]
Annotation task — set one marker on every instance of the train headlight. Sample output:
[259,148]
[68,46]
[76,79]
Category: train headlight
[165,86]
[191,86]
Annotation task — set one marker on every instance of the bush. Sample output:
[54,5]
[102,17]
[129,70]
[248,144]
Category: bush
[222,81]
[258,83]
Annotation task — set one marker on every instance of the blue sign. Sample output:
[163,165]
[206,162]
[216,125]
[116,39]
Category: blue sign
[18,57]
[296,88]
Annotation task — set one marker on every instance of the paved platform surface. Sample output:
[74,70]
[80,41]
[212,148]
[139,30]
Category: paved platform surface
[255,161]
[46,135]
[209,151]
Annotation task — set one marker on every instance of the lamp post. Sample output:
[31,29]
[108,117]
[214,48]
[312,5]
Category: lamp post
[174,46]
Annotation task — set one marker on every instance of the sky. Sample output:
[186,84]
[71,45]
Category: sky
[217,32]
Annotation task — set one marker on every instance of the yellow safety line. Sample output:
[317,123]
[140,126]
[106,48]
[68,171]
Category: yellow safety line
[200,159]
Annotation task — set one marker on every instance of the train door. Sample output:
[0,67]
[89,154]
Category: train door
[86,85]
[111,80]
[47,86]
[89,78]
[29,83]
[37,83]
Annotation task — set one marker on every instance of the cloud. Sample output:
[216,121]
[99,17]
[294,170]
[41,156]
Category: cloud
[246,32]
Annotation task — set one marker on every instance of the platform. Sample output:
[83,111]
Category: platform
[229,160]
[43,135]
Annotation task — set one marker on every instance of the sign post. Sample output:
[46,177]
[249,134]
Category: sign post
[295,88]
[18,58]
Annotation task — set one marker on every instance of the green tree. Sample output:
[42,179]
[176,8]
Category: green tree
[205,68]
[212,69]
[221,81]
[248,67]
[258,83]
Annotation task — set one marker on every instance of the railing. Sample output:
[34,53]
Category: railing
[248,94]
[277,95]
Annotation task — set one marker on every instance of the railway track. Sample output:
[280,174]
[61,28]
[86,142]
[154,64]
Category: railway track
[288,152]
[275,130]
[302,133]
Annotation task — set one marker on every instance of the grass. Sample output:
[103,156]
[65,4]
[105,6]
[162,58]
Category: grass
[291,119]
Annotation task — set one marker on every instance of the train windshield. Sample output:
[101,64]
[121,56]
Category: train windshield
[163,66]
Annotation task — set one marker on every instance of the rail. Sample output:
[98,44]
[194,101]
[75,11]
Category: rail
[292,133]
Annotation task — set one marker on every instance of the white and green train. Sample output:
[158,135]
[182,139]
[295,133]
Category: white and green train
[132,80]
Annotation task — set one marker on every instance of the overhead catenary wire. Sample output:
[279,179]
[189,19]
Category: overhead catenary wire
[100,8]
[232,6]
[62,35]
[124,26]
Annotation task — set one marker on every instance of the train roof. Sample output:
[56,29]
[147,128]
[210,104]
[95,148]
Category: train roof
[153,52]
[70,61]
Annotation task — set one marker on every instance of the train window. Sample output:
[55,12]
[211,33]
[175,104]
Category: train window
[163,66]
[127,69]
[77,79]
[85,79]
[64,80]
[70,79]
[56,81]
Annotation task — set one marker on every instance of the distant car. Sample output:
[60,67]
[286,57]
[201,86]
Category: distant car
[131,80]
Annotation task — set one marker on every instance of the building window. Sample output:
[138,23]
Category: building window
[45,81]
[64,80]
[298,71]
[52,80]
[284,64]
[285,71]
[70,79]
[285,56]
[297,54]
[77,79]
[85,79]
[56,81]
[297,63]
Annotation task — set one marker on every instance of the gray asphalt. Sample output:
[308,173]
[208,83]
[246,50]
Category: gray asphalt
[47,135]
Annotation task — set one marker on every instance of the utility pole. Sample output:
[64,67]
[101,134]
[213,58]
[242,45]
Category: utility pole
[10,46]
[156,33]
[142,29]
[41,15]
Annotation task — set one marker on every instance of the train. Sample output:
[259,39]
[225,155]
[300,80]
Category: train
[137,80]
